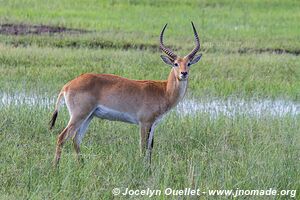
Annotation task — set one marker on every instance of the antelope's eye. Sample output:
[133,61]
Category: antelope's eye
[176,64]
[189,64]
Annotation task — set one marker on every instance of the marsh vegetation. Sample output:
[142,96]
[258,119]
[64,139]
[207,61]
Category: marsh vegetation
[237,128]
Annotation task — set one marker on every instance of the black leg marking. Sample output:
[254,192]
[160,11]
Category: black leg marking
[152,142]
[152,139]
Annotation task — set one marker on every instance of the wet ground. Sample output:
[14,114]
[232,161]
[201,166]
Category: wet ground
[25,29]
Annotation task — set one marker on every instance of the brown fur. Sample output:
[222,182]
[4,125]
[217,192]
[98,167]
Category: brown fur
[147,100]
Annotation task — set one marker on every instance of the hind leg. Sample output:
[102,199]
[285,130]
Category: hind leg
[79,136]
[68,132]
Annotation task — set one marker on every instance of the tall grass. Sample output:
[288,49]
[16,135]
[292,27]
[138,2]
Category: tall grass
[195,152]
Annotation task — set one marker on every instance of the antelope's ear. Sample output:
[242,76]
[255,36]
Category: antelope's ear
[167,60]
[195,59]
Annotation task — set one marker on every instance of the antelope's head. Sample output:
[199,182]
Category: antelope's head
[180,65]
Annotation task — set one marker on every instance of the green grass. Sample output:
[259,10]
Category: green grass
[238,43]
[46,70]
[222,24]
[191,152]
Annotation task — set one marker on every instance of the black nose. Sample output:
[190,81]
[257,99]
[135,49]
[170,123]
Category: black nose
[184,73]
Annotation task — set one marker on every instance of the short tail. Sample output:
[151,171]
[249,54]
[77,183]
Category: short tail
[55,113]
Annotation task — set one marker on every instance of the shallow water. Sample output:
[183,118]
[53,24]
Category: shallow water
[188,107]
[234,107]
[26,99]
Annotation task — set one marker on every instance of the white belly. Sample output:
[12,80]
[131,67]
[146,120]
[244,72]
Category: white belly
[114,115]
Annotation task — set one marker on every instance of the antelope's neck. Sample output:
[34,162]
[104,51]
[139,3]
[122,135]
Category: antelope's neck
[175,89]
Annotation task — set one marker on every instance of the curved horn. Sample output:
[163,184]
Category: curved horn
[167,51]
[196,49]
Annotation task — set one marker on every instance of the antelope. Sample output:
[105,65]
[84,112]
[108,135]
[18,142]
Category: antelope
[111,97]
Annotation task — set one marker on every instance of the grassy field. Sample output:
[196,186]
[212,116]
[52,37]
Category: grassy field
[250,51]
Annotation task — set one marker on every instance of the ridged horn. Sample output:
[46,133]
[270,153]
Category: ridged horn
[167,51]
[196,49]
